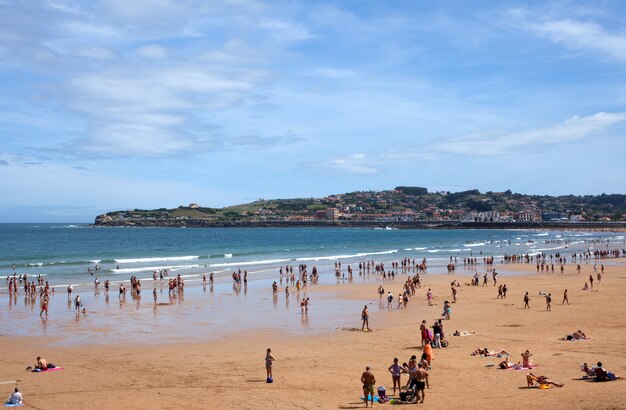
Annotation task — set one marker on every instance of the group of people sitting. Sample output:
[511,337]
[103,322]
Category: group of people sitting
[598,373]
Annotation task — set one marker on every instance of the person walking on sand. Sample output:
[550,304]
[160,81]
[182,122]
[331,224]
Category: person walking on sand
[365,327]
[269,359]
[565,299]
[549,302]
[591,281]
[429,297]
[368,380]
[453,294]
[526,300]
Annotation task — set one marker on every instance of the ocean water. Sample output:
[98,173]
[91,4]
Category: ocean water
[63,253]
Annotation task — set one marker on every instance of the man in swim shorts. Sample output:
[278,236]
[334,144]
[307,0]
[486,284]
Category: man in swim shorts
[368,380]
[365,318]
[422,383]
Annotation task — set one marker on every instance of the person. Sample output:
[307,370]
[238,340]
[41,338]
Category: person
[269,358]
[526,359]
[396,370]
[77,303]
[15,398]
[589,372]
[389,300]
[422,382]
[44,306]
[154,295]
[603,375]
[437,332]
[591,281]
[453,294]
[446,310]
[365,318]
[429,297]
[425,334]
[541,381]
[526,300]
[549,302]
[428,350]
[483,351]
[368,380]
[565,298]
[41,365]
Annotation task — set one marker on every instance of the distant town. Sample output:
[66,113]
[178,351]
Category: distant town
[400,205]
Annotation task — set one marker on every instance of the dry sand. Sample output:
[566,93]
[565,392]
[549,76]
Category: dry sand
[323,371]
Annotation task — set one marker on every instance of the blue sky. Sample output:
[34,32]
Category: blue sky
[117,104]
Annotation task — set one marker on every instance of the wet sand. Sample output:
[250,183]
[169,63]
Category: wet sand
[321,369]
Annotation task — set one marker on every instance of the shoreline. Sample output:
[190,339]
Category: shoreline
[428,225]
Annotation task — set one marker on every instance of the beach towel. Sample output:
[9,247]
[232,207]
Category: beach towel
[532,366]
[50,369]
[369,398]
[12,405]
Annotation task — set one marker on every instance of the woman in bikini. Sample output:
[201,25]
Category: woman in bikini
[269,358]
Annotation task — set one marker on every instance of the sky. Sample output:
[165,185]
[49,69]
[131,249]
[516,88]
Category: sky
[117,104]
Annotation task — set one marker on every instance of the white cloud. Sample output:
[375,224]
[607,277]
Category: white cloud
[354,164]
[503,142]
[153,51]
[574,34]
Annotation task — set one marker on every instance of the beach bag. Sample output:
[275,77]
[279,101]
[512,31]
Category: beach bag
[444,343]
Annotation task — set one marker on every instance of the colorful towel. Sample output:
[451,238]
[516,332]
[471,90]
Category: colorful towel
[532,366]
[51,369]
[12,405]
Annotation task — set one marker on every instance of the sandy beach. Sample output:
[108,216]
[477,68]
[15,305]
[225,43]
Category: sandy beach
[322,370]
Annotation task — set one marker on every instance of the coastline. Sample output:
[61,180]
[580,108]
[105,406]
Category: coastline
[322,370]
[203,223]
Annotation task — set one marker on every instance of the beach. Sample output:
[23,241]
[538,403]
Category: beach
[322,369]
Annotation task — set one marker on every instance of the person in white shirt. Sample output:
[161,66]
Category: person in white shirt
[16,397]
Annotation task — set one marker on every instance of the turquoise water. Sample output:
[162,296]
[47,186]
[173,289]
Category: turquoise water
[63,253]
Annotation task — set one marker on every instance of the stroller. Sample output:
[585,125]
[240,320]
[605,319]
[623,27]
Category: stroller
[410,395]
[382,395]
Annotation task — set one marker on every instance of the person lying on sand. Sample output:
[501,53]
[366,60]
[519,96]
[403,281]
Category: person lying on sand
[486,352]
[577,335]
[531,379]
[510,365]
[463,333]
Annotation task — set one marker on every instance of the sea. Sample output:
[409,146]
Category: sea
[65,254]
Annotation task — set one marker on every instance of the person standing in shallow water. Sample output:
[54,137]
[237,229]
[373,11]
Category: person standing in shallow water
[365,327]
